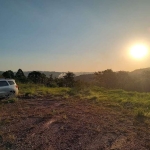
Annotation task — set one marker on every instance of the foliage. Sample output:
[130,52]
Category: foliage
[8,74]
[69,79]
[106,78]
[123,80]
[51,82]
[36,77]
[40,89]
[20,76]
[66,81]
[1,76]
[9,100]
[133,102]
[59,82]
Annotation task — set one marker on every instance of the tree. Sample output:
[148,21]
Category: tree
[123,80]
[1,76]
[35,76]
[43,78]
[20,76]
[146,81]
[51,82]
[106,78]
[60,82]
[8,74]
[69,79]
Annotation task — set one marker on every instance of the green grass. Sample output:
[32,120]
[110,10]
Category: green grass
[37,89]
[138,103]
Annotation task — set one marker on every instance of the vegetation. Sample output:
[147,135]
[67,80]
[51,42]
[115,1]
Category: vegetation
[123,80]
[30,89]
[37,77]
[107,88]
[69,79]
[20,76]
[8,74]
[133,102]
[75,108]
[107,79]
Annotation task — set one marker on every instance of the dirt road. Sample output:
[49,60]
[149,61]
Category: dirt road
[50,123]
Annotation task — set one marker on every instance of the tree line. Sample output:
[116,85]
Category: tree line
[123,80]
[107,79]
[40,78]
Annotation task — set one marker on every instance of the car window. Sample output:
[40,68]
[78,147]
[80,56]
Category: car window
[11,82]
[3,83]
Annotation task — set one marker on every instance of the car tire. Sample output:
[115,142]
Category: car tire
[11,94]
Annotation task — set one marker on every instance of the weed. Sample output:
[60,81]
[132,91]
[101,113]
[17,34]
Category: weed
[27,94]
[53,112]
[140,114]
[64,116]
[12,137]
[11,100]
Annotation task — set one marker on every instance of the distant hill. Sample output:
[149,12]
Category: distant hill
[47,73]
[90,77]
[139,72]
[55,74]
[86,78]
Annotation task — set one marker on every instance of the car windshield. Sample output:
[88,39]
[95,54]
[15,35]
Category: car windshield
[3,83]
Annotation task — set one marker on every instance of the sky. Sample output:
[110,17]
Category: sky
[73,35]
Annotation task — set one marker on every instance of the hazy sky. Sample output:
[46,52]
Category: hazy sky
[72,35]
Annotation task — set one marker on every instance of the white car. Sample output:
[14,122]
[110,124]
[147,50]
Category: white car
[8,87]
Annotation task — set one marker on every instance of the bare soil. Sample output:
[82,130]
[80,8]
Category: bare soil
[53,123]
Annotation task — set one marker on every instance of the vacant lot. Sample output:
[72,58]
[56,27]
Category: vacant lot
[56,123]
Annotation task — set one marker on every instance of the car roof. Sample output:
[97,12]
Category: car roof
[3,79]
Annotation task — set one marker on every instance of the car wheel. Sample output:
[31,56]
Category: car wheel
[11,94]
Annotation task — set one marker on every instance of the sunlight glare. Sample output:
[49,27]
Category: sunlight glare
[138,51]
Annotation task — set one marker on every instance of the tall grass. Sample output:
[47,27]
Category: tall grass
[137,102]
[39,89]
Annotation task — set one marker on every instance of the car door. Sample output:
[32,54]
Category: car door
[4,88]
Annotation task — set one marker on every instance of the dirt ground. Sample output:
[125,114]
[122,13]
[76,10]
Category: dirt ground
[53,123]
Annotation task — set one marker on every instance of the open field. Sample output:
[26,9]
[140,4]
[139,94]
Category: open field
[88,118]
[134,102]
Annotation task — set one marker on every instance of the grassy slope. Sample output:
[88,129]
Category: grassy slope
[137,103]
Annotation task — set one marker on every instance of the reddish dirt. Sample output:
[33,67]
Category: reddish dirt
[58,124]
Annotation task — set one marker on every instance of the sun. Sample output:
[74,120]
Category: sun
[138,51]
